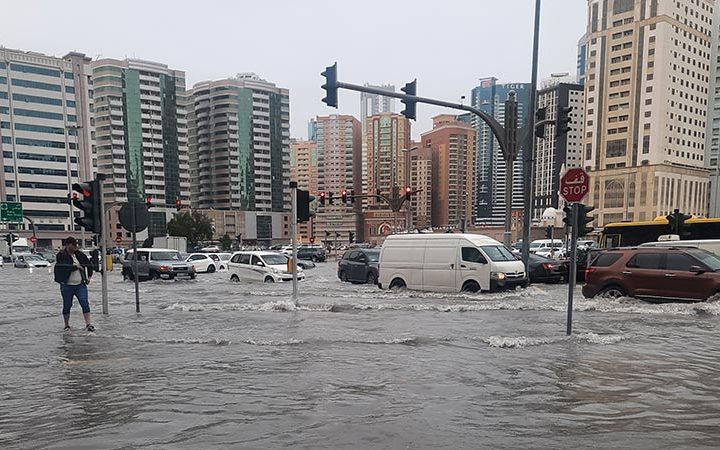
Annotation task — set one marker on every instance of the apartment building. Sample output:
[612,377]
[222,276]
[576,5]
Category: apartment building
[304,171]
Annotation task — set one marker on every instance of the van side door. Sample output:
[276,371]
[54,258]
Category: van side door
[143,263]
[473,266]
[440,265]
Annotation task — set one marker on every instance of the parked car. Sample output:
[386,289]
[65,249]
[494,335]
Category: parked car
[546,270]
[157,263]
[359,266]
[47,256]
[261,266]
[314,253]
[711,245]
[30,261]
[2,261]
[668,273]
[546,247]
[448,263]
[224,259]
[203,262]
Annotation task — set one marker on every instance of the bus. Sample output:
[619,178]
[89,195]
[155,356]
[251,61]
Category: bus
[627,234]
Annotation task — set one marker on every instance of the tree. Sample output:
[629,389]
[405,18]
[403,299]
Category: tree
[194,226]
[225,242]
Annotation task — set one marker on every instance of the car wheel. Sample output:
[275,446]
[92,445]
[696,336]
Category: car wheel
[269,280]
[371,279]
[470,286]
[397,283]
[343,277]
[613,291]
[235,279]
[211,268]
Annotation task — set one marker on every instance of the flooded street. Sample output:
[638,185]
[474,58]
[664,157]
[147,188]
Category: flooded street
[212,364]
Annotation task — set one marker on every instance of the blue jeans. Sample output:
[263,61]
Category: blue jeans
[69,291]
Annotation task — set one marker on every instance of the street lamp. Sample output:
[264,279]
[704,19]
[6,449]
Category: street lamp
[407,151]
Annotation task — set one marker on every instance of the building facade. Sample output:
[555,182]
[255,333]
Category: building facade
[452,147]
[712,133]
[555,154]
[304,171]
[370,105]
[490,97]
[386,137]
[45,137]
[581,58]
[239,136]
[421,179]
[141,138]
[646,94]
[339,146]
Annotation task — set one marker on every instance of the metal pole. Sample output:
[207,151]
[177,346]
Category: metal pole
[103,244]
[573,267]
[134,246]
[293,237]
[509,172]
[529,154]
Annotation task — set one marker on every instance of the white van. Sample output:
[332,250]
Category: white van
[546,247]
[267,267]
[448,263]
[711,245]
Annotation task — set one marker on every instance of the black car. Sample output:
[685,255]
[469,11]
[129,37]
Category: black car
[359,266]
[311,252]
[546,270]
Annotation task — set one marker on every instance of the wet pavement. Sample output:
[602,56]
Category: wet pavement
[214,364]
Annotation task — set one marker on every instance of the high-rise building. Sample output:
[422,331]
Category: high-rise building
[581,57]
[712,134]
[339,144]
[452,146]
[141,138]
[646,92]
[240,152]
[490,97]
[45,137]
[304,171]
[387,135]
[421,180]
[312,130]
[370,105]
[553,154]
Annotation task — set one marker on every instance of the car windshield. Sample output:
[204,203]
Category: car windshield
[165,256]
[275,260]
[498,253]
[373,256]
[33,258]
[707,258]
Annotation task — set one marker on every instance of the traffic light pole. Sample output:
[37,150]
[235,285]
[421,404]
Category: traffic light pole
[103,245]
[293,238]
[573,265]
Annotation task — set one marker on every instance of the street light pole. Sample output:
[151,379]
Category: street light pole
[408,176]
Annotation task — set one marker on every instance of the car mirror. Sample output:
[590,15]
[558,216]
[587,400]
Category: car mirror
[259,263]
[697,270]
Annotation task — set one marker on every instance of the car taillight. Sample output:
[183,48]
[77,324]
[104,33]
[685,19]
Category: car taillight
[548,266]
[589,270]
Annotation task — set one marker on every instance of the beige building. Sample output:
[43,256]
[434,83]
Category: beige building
[304,171]
[339,147]
[647,75]
[421,180]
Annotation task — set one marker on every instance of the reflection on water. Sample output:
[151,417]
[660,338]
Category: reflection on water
[209,363]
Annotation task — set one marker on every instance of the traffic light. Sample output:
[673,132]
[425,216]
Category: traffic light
[330,198]
[408,193]
[351,237]
[303,206]
[352,196]
[563,120]
[343,196]
[322,199]
[548,233]
[584,219]
[89,205]
[178,204]
[540,115]
[330,86]
[148,201]
[10,238]
[676,220]
[568,219]
[410,105]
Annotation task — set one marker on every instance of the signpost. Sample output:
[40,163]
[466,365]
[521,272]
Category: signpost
[134,217]
[11,212]
[574,186]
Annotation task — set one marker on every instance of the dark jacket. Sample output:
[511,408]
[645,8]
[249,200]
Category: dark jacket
[64,266]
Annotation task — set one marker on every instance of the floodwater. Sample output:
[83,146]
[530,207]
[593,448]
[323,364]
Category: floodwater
[212,364]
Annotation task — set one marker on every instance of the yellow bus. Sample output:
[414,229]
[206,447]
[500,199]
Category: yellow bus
[625,234]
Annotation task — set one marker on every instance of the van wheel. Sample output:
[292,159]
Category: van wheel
[371,278]
[211,268]
[470,286]
[613,291]
[235,279]
[221,268]
[397,283]
[269,280]
[343,277]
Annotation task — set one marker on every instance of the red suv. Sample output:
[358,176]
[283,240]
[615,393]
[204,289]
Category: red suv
[654,272]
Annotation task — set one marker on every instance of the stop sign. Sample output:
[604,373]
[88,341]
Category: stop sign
[33,239]
[118,240]
[574,185]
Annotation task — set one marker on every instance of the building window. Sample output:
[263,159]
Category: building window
[614,193]
[646,144]
[616,148]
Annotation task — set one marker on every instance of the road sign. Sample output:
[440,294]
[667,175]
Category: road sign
[139,222]
[33,239]
[11,212]
[574,185]
[118,240]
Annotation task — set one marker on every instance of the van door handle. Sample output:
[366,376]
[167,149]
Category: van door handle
[452,266]
[463,266]
[625,272]
[670,275]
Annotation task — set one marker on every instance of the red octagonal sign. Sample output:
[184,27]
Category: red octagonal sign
[574,185]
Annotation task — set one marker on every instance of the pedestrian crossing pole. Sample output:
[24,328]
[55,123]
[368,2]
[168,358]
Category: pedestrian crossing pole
[293,237]
[103,244]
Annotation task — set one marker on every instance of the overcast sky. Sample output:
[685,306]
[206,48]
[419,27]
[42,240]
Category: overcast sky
[447,45]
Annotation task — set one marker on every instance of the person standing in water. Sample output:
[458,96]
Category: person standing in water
[73,271]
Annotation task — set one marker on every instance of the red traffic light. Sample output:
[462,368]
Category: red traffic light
[408,190]
[343,196]
[322,198]
[148,200]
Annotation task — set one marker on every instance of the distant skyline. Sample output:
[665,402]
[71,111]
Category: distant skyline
[290,43]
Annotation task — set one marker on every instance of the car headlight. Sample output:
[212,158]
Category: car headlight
[164,268]
[497,275]
[275,270]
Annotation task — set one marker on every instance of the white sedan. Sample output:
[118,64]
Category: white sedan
[202,262]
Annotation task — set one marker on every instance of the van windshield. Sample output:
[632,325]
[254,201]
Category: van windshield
[275,260]
[498,253]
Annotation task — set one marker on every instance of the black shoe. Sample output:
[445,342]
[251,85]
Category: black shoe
[90,328]
[67,328]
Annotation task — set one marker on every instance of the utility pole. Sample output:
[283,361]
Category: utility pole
[293,238]
[511,119]
[103,245]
